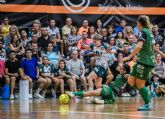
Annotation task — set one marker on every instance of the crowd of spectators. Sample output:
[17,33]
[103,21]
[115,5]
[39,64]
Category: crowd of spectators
[53,57]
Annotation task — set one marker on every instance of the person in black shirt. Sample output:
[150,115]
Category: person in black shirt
[104,33]
[34,39]
[43,40]
[36,53]
[12,69]
[126,51]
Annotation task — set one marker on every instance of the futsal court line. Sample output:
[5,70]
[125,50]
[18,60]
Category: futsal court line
[105,113]
[101,113]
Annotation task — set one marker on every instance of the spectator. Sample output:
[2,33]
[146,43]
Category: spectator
[77,68]
[99,26]
[1,37]
[115,67]
[159,68]
[121,27]
[17,47]
[84,45]
[111,58]
[43,40]
[126,50]
[73,39]
[13,30]
[66,30]
[24,38]
[4,79]
[46,77]
[110,30]
[34,39]
[91,32]
[157,47]
[4,27]
[136,31]
[133,41]
[36,53]
[53,29]
[157,88]
[104,34]
[2,52]
[29,70]
[120,40]
[128,33]
[112,45]
[12,70]
[36,28]
[56,47]
[159,38]
[52,56]
[84,27]
[65,75]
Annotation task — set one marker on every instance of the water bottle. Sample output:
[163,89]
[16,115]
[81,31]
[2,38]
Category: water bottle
[24,90]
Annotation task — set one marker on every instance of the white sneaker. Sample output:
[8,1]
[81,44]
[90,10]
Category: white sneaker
[124,95]
[12,97]
[128,95]
[70,94]
[43,95]
[30,96]
[96,100]
[38,96]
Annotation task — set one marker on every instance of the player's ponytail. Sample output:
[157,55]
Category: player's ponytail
[145,21]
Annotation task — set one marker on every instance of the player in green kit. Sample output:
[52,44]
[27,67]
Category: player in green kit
[107,93]
[145,64]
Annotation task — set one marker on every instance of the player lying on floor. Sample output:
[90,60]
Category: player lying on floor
[107,93]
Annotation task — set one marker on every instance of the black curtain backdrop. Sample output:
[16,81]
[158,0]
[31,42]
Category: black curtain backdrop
[26,19]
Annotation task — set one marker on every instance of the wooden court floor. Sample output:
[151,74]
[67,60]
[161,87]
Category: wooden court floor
[125,108]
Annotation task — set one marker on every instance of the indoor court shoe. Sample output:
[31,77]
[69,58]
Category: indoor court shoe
[146,107]
[38,96]
[95,100]
[70,94]
[30,96]
[11,97]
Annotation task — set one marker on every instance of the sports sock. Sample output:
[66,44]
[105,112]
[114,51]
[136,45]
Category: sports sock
[81,93]
[145,95]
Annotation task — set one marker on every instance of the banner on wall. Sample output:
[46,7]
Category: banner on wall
[109,11]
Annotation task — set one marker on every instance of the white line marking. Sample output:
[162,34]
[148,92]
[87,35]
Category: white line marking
[104,113]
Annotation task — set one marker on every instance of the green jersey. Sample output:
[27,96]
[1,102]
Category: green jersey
[119,82]
[107,94]
[65,70]
[146,55]
[46,69]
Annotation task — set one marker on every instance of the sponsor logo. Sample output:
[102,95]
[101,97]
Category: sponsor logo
[105,6]
[76,8]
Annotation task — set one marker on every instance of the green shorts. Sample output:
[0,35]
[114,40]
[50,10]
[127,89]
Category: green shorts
[141,71]
[100,71]
[107,95]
